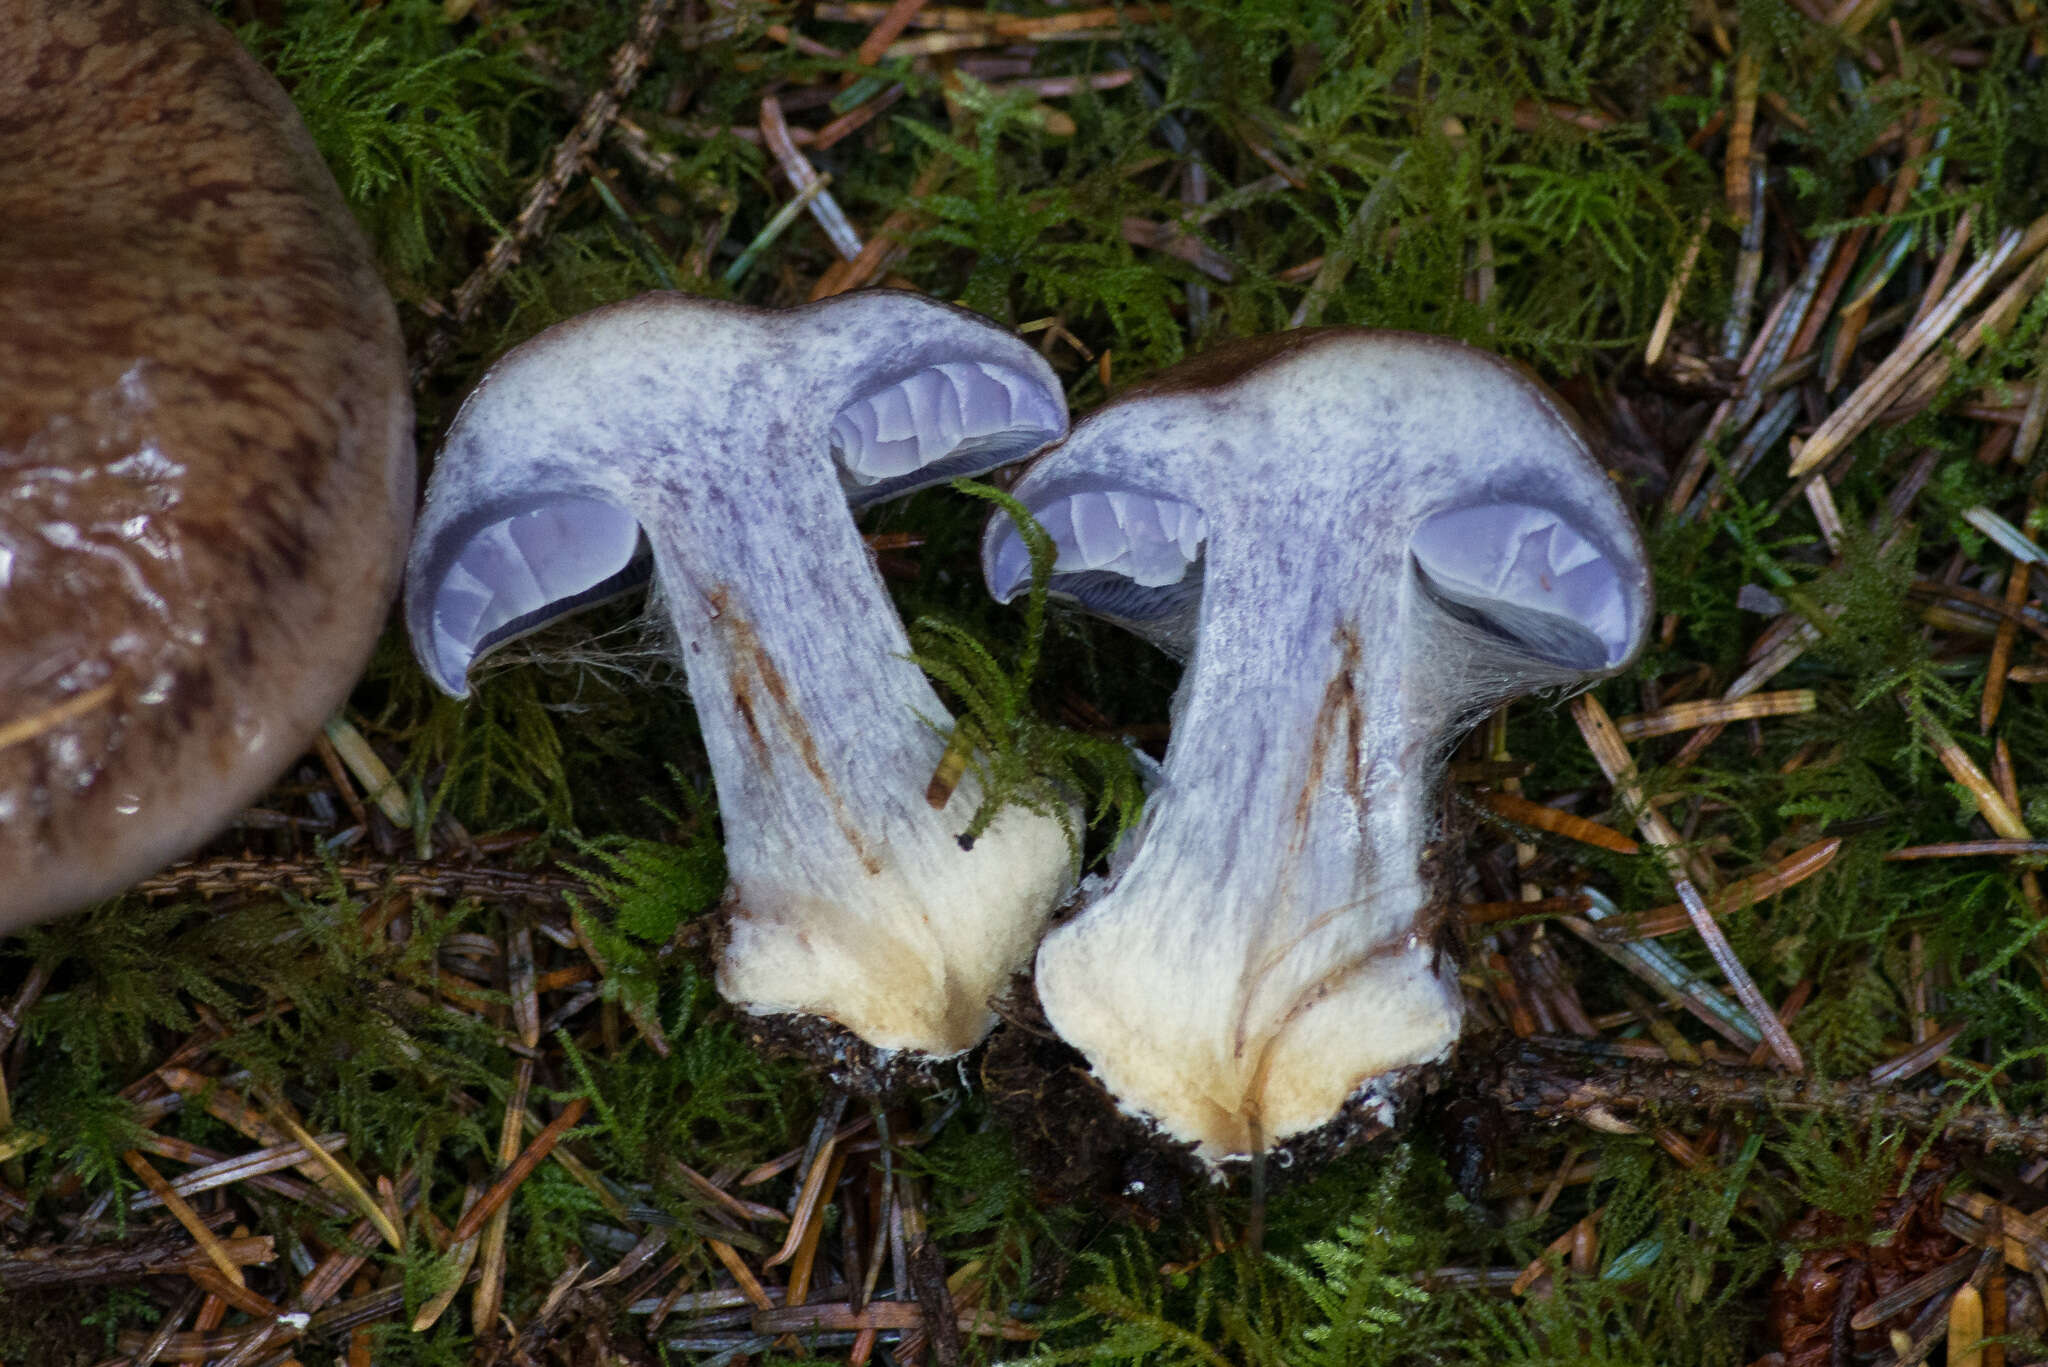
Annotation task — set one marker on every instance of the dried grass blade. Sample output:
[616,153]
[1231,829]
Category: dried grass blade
[1690,716]
[350,1183]
[1613,758]
[1878,387]
[465,1257]
[490,1286]
[186,1216]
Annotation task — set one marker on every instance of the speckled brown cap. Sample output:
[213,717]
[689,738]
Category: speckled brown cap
[206,463]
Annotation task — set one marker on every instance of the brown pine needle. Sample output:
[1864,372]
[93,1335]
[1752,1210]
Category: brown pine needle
[1964,849]
[800,1267]
[783,1162]
[1690,716]
[1560,1248]
[2034,416]
[1741,132]
[490,1287]
[743,1209]
[1994,1316]
[886,30]
[883,1315]
[1991,804]
[750,1285]
[1837,276]
[1523,812]
[1482,913]
[808,1202]
[1613,758]
[2016,582]
[885,245]
[1932,373]
[2025,1239]
[1918,1059]
[959,19]
[186,1216]
[522,984]
[1074,25]
[1878,388]
[853,120]
[1668,314]
[1670,920]
[522,1168]
[235,1293]
[465,1256]
[1945,269]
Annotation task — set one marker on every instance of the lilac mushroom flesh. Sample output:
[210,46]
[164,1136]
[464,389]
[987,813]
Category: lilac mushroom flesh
[719,448]
[1360,542]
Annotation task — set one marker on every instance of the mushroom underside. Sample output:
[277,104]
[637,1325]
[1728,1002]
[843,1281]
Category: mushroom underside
[1519,572]
[954,418]
[536,557]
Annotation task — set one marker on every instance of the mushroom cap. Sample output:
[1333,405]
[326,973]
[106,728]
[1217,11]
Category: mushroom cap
[1516,531]
[205,442]
[572,438]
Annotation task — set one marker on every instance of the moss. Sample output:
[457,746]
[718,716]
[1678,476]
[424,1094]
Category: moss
[1525,177]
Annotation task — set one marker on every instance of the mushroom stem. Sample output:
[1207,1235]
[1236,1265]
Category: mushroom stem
[849,892]
[730,441]
[1301,782]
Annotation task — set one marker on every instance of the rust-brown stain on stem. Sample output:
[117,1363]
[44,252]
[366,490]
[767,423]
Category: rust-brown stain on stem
[751,666]
[1340,708]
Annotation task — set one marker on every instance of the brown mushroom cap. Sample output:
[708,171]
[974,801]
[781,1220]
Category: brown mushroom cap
[206,464]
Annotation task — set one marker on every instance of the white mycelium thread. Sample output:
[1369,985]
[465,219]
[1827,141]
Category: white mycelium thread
[1388,536]
[707,433]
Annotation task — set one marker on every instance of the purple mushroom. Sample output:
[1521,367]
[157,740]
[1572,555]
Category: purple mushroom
[1361,542]
[718,447]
